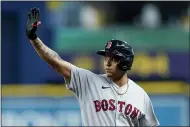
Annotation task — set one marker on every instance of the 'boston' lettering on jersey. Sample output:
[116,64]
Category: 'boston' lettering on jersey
[105,105]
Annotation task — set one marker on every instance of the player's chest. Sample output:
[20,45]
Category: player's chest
[123,107]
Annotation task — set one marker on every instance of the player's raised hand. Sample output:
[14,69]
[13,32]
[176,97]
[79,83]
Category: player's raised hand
[33,23]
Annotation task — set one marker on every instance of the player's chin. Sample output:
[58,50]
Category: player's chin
[109,74]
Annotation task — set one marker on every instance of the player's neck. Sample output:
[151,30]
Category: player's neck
[120,80]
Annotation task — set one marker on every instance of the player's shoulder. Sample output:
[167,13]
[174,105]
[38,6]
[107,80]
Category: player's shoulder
[77,69]
[136,87]
[86,72]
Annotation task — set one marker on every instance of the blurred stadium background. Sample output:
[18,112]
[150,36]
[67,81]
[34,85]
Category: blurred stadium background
[34,94]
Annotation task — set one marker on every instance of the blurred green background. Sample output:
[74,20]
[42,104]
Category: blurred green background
[33,94]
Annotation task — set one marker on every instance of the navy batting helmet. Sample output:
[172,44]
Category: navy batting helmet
[121,50]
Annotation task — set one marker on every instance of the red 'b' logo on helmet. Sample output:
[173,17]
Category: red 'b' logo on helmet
[109,45]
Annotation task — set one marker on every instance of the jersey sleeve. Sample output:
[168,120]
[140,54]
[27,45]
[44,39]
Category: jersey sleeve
[149,118]
[79,82]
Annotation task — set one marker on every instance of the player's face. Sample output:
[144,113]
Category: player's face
[110,65]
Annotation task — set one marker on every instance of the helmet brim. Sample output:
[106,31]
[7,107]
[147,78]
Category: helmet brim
[101,52]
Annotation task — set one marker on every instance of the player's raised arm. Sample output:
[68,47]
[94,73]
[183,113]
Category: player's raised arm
[50,56]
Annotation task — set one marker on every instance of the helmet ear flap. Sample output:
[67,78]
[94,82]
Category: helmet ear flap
[126,63]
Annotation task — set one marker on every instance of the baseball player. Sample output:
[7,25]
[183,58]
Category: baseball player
[110,99]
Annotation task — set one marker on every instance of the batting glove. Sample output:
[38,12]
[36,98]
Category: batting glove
[33,23]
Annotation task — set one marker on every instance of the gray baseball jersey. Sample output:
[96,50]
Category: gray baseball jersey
[103,103]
